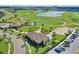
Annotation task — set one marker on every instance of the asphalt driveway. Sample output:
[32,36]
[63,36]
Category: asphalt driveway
[17,42]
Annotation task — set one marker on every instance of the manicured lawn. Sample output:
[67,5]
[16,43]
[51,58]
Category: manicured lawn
[27,28]
[11,48]
[3,46]
[14,20]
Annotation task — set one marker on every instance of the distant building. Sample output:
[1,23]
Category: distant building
[37,38]
[1,14]
[18,24]
[5,24]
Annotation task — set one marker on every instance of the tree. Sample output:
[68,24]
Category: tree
[50,29]
[2,20]
[69,31]
[1,52]
[42,27]
[35,24]
[20,30]
[54,33]
[15,15]
[66,34]
[0,39]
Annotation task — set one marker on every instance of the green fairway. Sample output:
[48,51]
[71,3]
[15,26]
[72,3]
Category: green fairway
[67,16]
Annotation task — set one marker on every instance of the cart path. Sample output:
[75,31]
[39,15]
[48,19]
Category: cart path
[17,42]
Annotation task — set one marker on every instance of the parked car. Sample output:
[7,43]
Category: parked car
[59,49]
[65,44]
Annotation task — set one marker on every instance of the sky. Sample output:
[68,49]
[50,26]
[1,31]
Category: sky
[39,2]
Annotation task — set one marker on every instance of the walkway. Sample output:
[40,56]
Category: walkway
[17,42]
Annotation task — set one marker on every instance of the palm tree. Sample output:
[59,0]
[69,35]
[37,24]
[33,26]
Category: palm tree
[50,29]
[69,31]
[42,26]
[54,34]
[35,24]
[2,20]
[15,15]
[66,34]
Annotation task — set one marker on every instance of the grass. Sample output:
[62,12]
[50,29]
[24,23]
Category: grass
[14,20]
[54,22]
[3,46]
[27,28]
[12,48]
[31,15]
[52,43]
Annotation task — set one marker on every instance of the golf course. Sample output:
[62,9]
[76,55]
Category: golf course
[17,23]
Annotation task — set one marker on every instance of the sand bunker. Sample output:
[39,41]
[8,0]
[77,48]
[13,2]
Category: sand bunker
[62,30]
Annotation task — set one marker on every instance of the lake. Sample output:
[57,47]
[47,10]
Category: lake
[51,13]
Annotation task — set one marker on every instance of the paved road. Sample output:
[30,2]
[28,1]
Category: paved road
[17,42]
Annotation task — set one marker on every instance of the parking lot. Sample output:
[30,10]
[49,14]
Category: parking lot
[69,46]
[73,49]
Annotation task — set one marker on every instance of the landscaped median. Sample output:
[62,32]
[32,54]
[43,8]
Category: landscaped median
[3,45]
[6,46]
[11,48]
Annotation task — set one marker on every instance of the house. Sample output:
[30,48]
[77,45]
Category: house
[19,24]
[1,14]
[5,24]
[37,38]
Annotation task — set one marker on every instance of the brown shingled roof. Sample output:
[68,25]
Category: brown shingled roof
[37,37]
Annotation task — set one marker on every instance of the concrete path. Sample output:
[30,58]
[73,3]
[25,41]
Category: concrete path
[17,42]
[9,46]
[39,30]
[50,34]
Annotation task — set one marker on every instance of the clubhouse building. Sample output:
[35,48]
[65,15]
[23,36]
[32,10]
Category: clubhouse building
[37,38]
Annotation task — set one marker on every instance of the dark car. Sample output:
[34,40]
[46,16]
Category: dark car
[59,49]
[70,40]
[65,44]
